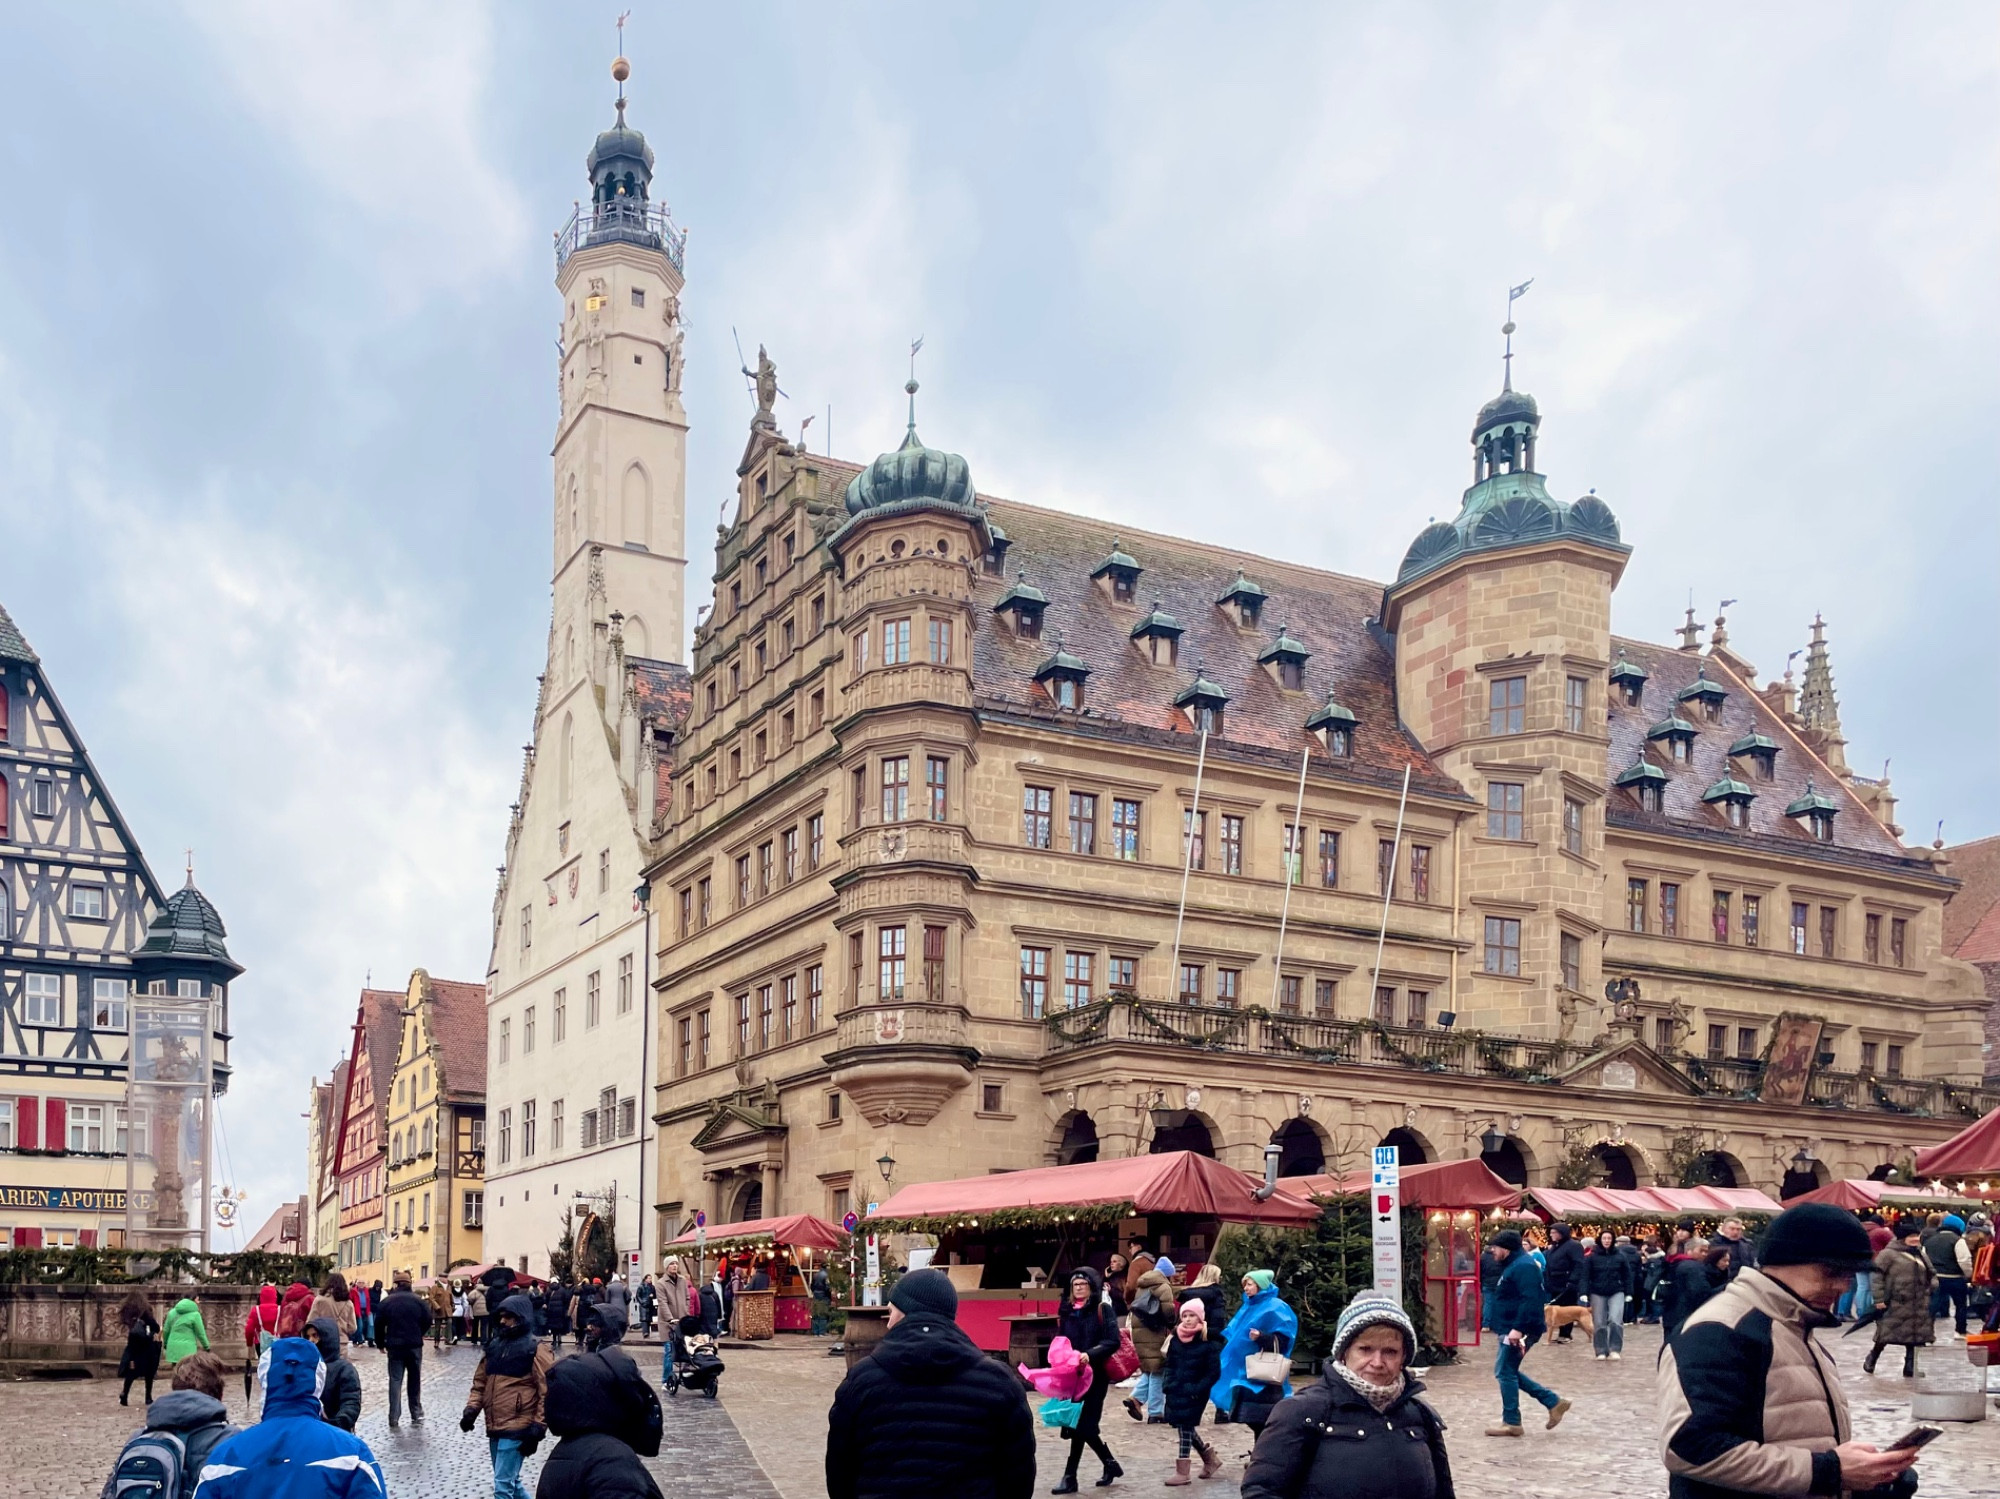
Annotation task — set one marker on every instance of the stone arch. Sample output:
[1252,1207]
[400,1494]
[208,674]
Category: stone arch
[635,506]
[1183,1129]
[1619,1163]
[1413,1149]
[566,760]
[1301,1147]
[1513,1162]
[749,1202]
[635,637]
[1796,1182]
[1076,1139]
[1718,1168]
[1882,1172]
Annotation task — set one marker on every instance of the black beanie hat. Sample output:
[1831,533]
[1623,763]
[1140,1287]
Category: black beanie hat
[1507,1239]
[926,1293]
[1818,1233]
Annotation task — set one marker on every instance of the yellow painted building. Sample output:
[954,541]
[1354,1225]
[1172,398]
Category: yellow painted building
[435,1116]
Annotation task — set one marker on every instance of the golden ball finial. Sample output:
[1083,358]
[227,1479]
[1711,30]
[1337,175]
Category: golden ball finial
[621,69]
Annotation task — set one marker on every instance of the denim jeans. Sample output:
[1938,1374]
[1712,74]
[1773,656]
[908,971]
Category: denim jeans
[1608,1313]
[507,1468]
[1860,1301]
[406,1363]
[1507,1369]
[1151,1392]
[1948,1295]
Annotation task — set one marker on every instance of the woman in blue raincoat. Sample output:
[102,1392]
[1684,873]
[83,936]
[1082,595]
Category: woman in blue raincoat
[1263,1324]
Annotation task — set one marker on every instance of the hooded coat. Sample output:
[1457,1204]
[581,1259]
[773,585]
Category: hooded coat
[511,1383]
[199,1420]
[1903,1281]
[591,1407]
[293,1452]
[295,1310]
[1330,1441]
[1562,1267]
[1264,1313]
[1150,1331]
[928,1414]
[264,1319]
[183,1332]
[1092,1331]
[1192,1369]
[340,1391]
[555,1308]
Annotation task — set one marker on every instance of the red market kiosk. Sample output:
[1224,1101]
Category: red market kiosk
[1053,1217]
[785,1247]
[1973,1151]
[1456,1198]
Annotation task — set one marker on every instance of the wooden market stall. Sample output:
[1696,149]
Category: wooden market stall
[1862,1196]
[1646,1209]
[1008,1239]
[1456,1198]
[1973,1151]
[784,1248]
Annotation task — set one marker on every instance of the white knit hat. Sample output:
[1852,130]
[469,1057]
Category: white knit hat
[1373,1311]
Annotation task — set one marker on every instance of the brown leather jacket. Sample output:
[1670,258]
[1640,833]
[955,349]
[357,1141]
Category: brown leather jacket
[512,1402]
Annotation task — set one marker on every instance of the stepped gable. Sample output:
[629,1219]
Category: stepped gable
[458,1031]
[1326,613]
[1855,829]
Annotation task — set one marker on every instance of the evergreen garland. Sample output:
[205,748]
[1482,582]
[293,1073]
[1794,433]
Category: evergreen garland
[1101,1215]
[116,1267]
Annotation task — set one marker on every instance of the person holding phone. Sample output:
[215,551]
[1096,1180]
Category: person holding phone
[1750,1403]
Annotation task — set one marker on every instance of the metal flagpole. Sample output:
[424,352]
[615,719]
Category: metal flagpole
[1296,851]
[1389,888]
[1187,854]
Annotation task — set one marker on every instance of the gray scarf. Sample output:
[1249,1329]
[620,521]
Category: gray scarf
[1381,1396]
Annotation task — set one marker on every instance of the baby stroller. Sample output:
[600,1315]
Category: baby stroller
[692,1362]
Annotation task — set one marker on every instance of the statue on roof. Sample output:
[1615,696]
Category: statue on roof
[766,378]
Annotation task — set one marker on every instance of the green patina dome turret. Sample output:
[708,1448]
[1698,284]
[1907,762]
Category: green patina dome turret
[1508,504]
[913,477]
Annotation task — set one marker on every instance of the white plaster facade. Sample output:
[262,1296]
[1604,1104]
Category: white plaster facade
[567,1040]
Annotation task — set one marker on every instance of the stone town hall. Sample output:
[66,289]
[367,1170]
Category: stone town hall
[975,845]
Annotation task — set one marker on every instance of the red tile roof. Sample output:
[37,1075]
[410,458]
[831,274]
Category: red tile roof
[665,690]
[458,1033]
[1976,867]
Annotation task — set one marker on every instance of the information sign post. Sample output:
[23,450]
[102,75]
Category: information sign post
[1385,1202]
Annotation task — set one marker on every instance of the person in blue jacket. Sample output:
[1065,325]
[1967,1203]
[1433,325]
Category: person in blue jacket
[293,1452]
[1262,1324]
[1514,1311]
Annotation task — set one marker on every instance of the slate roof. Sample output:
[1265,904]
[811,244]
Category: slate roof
[382,1025]
[333,1101]
[188,926]
[458,1035]
[1672,671]
[13,644]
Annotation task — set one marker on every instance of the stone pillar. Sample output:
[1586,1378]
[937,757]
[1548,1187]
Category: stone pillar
[768,1173]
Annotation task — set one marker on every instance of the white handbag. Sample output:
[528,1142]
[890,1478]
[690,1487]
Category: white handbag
[1268,1368]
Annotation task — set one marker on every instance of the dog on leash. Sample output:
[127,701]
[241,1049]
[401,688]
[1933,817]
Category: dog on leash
[1559,1317]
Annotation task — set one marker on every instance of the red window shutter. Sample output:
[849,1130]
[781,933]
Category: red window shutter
[86,1238]
[58,1129]
[3,713]
[6,787]
[27,1123]
[27,1238]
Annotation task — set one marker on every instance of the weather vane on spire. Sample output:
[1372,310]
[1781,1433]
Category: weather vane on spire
[621,67]
[911,388]
[1514,294]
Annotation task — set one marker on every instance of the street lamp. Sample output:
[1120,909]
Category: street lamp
[1803,1161]
[886,1164]
[1491,1141]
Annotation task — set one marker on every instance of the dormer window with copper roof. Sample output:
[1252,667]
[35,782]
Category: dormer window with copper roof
[1760,752]
[1061,677]
[1677,734]
[995,560]
[1202,702]
[1704,695]
[1118,574]
[1814,812]
[1286,662]
[1159,636]
[1628,681]
[1647,782]
[1243,602]
[1333,726]
[1022,607]
[1732,798]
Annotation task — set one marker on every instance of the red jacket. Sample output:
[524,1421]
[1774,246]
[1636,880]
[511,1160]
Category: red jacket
[263,1319]
[297,1307]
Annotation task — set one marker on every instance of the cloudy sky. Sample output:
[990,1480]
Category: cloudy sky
[276,360]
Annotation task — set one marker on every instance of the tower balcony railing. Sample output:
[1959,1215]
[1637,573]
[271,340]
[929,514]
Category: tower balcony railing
[623,221]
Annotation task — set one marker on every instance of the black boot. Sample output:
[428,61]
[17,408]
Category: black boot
[1112,1473]
[1068,1484]
[1910,1362]
[1868,1364]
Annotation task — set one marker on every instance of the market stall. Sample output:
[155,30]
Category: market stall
[787,1249]
[1456,1198]
[1008,1239]
[1973,1151]
[1861,1196]
[1642,1210]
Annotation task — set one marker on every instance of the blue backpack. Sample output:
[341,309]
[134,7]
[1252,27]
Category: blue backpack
[152,1465]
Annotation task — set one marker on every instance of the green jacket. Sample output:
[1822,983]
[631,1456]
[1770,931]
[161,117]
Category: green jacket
[184,1332]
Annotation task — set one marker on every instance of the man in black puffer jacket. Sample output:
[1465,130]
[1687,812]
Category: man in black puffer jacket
[593,1407]
[928,1414]
[1562,1272]
[340,1393]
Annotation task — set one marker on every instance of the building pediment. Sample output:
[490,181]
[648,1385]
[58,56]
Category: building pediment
[1629,1066]
[744,1117]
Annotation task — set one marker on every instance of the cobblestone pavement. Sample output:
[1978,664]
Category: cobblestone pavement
[59,1438]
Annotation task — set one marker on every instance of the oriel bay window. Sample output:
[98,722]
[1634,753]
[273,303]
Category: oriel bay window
[937,771]
[892,954]
[1506,704]
[895,642]
[1503,945]
[1572,961]
[934,962]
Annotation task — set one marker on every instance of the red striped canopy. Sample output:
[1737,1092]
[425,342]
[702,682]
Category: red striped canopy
[799,1231]
[1973,1151]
